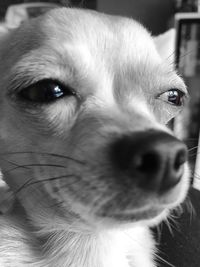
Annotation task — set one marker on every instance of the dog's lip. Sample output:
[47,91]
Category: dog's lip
[148,212]
[135,215]
[171,197]
[150,209]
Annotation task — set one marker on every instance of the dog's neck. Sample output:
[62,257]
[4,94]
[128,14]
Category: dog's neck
[75,246]
[96,248]
[100,249]
[86,250]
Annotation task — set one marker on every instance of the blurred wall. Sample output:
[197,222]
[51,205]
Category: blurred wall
[154,14]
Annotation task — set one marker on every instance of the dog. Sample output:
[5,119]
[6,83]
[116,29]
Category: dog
[84,102]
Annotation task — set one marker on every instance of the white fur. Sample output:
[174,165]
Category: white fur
[128,247]
[118,72]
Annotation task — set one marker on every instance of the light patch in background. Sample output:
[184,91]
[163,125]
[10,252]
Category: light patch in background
[196,183]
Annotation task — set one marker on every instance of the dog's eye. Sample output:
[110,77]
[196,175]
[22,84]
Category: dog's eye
[45,91]
[174,97]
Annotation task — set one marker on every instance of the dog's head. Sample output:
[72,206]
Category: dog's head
[84,101]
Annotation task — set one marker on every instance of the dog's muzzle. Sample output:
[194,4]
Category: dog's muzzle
[153,160]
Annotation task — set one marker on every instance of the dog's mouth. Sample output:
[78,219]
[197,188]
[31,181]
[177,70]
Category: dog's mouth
[145,205]
[131,217]
[134,215]
[146,214]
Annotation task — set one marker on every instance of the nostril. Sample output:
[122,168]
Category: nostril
[180,159]
[146,163]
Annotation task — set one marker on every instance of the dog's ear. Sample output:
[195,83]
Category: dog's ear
[3,31]
[165,44]
[7,198]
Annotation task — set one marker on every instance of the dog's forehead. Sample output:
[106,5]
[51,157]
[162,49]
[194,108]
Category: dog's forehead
[85,44]
[111,39]
[98,32]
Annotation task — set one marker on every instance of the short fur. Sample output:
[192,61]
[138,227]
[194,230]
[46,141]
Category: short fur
[55,157]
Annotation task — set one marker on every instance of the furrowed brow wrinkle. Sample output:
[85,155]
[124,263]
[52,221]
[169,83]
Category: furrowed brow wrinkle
[22,77]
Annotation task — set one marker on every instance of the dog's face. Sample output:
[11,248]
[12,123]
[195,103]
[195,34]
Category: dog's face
[83,103]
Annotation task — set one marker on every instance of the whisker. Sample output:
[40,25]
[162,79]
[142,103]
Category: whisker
[190,208]
[169,226]
[174,224]
[164,261]
[134,240]
[188,53]
[180,57]
[53,178]
[29,183]
[34,165]
[172,54]
[157,256]
[23,186]
[193,148]
[44,153]
[13,163]
[43,165]
[158,231]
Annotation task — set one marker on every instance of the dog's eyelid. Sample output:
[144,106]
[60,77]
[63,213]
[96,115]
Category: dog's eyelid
[174,96]
[46,91]
[180,90]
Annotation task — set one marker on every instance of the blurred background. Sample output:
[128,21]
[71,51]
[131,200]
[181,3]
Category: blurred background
[155,14]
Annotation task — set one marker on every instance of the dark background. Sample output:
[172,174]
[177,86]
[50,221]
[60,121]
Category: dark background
[154,14]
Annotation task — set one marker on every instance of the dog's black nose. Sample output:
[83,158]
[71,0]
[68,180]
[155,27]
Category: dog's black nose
[153,159]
